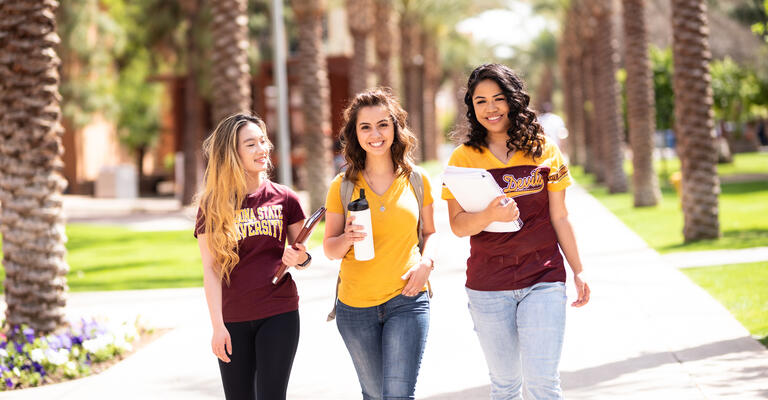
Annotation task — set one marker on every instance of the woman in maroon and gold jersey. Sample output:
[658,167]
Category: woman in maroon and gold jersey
[516,280]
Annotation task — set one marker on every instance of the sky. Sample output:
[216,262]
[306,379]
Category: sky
[506,28]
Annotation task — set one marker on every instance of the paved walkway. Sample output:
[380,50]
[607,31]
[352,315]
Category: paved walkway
[648,333]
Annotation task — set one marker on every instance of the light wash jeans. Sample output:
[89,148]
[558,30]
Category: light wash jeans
[386,343]
[521,333]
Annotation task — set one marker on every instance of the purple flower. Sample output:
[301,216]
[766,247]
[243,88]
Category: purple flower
[66,341]
[3,344]
[39,368]
[9,383]
[29,333]
[19,348]
[4,368]
[77,340]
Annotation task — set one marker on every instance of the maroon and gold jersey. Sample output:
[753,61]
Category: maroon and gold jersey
[515,260]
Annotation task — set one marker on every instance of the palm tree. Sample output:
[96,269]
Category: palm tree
[31,222]
[640,104]
[570,54]
[412,64]
[315,93]
[426,27]
[231,74]
[385,37]
[360,20]
[193,107]
[612,126]
[694,122]
[543,51]
[431,77]
[588,79]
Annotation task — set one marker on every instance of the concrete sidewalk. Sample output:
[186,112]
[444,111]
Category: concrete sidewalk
[648,333]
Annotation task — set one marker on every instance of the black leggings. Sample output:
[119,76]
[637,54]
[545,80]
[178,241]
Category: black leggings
[262,357]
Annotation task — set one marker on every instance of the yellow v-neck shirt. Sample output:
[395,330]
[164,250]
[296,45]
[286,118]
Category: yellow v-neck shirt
[395,241]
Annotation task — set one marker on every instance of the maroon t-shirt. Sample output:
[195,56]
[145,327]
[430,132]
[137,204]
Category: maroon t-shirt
[515,260]
[261,224]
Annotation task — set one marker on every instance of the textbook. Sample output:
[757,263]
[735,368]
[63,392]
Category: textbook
[474,189]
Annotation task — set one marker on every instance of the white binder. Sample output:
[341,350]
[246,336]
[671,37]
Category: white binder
[474,189]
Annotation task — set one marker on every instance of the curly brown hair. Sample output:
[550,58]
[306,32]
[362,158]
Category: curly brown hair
[404,142]
[524,131]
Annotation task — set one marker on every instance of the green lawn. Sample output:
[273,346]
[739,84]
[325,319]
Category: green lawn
[113,258]
[743,220]
[741,288]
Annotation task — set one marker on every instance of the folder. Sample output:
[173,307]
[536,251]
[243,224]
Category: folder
[304,233]
[474,189]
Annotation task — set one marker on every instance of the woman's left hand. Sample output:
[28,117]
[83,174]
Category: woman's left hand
[582,289]
[293,257]
[417,277]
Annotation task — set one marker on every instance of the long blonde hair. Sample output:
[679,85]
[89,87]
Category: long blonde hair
[225,189]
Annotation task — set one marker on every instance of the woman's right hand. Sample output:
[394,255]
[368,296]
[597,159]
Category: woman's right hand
[352,233]
[221,343]
[503,209]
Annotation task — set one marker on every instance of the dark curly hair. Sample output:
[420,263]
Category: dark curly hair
[403,144]
[524,132]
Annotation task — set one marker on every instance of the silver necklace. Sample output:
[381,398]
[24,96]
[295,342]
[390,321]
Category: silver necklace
[368,179]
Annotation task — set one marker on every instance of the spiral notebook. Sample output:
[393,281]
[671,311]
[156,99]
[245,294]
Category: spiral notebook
[474,189]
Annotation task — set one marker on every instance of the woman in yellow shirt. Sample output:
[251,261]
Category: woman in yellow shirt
[383,308]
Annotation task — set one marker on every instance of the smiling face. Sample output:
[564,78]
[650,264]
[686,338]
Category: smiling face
[491,108]
[253,148]
[375,130]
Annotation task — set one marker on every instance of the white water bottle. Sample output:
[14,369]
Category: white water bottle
[362,212]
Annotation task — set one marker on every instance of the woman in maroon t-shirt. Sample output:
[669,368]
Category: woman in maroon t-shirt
[516,280]
[243,222]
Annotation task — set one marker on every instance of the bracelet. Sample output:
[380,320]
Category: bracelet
[306,262]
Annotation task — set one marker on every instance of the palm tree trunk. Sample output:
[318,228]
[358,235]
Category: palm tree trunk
[612,125]
[386,38]
[31,222]
[459,83]
[640,104]
[412,64]
[545,87]
[586,32]
[360,21]
[431,79]
[694,124]
[193,109]
[593,140]
[315,93]
[570,66]
[231,74]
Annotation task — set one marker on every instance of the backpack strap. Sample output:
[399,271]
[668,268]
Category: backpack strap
[417,182]
[345,194]
[346,190]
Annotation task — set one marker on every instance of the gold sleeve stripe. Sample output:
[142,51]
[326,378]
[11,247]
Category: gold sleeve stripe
[561,173]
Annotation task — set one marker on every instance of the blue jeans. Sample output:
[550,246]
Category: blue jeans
[386,343]
[521,334]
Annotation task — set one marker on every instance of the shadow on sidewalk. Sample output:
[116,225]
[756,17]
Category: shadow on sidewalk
[736,350]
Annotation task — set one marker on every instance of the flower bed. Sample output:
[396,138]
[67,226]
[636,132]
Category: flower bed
[83,348]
